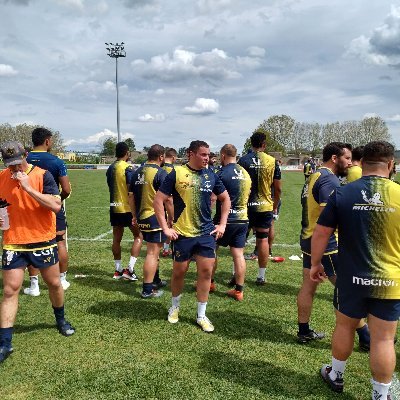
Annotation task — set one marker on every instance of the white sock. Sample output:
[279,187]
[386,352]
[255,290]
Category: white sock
[132,262]
[261,273]
[338,368]
[63,276]
[380,390]
[34,281]
[176,301]
[201,309]
[166,246]
[118,266]
[233,269]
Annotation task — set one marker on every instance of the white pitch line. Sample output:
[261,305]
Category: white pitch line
[102,235]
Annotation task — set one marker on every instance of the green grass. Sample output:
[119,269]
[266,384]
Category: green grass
[125,349]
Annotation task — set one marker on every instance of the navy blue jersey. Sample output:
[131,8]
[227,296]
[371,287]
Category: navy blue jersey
[263,170]
[145,182]
[237,182]
[49,162]
[191,190]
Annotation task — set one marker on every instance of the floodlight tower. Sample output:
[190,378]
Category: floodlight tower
[116,51]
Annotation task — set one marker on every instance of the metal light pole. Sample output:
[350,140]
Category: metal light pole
[115,51]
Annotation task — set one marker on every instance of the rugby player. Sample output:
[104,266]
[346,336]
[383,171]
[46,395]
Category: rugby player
[315,194]
[264,173]
[119,175]
[170,159]
[368,277]
[193,232]
[41,156]
[238,183]
[145,182]
[355,171]
[34,199]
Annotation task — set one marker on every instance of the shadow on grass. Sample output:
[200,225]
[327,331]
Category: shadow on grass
[267,377]
[34,327]
[141,310]
[289,290]
[236,325]
[109,284]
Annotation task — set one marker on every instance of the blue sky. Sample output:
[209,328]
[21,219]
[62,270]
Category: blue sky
[201,69]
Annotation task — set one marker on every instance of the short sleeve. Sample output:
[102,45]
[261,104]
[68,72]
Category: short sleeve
[329,215]
[49,184]
[323,188]
[129,174]
[62,168]
[168,184]
[160,177]
[277,172]
[219,186]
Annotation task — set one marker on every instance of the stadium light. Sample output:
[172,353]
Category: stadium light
[116,51]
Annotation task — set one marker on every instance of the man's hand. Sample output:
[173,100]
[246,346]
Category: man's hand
[219,231]
[317,273]
[134,221]
[171,233]
[23,179]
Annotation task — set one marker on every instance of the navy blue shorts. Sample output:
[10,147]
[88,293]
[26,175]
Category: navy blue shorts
[234,236]
[329,262]
[61,221]
[260,219]
[356,304]
[184,248]
[154,236]
[121,219]
[42,258]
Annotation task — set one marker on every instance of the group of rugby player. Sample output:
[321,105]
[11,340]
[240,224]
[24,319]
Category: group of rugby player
[175,205]
[351,235]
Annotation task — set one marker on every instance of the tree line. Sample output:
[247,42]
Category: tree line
[286,135]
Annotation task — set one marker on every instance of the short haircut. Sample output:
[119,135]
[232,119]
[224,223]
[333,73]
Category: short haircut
[155,151]
[334,149]
[170,152]
[378,151]
[229,150]
[212,155]
[357,153]
[258,139]
[39,136]
[121,149]
[196,144]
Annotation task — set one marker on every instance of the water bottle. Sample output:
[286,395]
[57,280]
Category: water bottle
[4,217]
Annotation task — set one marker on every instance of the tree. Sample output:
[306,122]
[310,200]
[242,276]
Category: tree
[374,128]
[140,159]
[131,144]
[108,146]
[182,152]
[280,129]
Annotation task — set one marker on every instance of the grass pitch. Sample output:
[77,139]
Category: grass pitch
[124,348]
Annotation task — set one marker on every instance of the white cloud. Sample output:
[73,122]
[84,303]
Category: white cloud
[152,118]
[255,51]
[202,106]
[207,6]
[382,46]
[184,64]
[98,138]
[7,70]
[370,115]
[159,92]
[394,118]
[75,4]
[95,90]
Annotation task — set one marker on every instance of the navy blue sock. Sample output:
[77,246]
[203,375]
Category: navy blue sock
[59,314]
[363,334]
[147,288]
[239,288]
[304,328]
[157,276]
[6,336]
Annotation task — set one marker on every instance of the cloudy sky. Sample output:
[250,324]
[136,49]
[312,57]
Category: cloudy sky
[200,69]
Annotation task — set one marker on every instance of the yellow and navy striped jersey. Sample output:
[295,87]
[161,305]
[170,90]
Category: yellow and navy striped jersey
[237,182]
[263,170]
[315,194]
[191,191]
[367,215]
[353,173]
[145,182]
[119,175]
[168,167]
